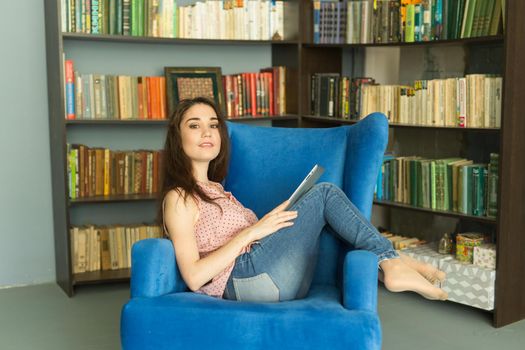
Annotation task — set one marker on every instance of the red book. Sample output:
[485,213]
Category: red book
[253,93]
[235,89]
[271,97]
[162,97]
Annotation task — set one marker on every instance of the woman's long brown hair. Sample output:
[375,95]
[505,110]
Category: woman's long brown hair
[176,166]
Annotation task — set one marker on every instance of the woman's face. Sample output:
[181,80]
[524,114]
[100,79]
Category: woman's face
[199,128]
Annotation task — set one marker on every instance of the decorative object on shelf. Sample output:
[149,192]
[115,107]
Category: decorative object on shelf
[191,82]
[465,243]
[469,284]
[445,244]
[485,256]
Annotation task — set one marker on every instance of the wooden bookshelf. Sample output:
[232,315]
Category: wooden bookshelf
[170,41]
[114,198]
[454,42]
[302,59]
[164,122]
[98,277]
[328,58]
[453,214]
[338,121]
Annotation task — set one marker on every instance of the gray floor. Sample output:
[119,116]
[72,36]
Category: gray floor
[42,317]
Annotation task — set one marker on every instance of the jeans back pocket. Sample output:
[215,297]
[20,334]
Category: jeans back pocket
[258,288]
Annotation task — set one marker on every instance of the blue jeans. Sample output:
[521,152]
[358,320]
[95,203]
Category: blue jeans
[279,267]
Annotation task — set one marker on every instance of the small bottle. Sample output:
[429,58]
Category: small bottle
[445,244]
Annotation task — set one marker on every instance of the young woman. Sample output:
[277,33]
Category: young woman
[223,250]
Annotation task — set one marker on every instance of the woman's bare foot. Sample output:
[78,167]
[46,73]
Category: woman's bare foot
[399,277]
[431,273]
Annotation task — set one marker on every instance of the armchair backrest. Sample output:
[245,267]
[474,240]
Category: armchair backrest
[267,164]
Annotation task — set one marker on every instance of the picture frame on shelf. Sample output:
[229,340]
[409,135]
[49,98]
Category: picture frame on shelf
[190,82]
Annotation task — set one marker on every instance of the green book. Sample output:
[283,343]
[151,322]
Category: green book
[496,18]
[466,28]
[409,27]
[425,183]
[433,185]
[477,19]
[478,189]
[413,181]
[419,182]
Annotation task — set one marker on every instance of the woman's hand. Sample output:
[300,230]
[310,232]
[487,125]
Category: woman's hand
[272,222]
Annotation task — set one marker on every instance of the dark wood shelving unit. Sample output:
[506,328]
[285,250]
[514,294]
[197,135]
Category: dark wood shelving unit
[482,219]
[171,41]
[164,122]
[98,277]
[302,59]
[114,198]
[338,121]
[465,41]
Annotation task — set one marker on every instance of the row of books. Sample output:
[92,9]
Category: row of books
[451,184]
[256,94]
[100,96]
[332,95]
[103,172]
[95,248]
[471,101]
[384,21]
[212,19]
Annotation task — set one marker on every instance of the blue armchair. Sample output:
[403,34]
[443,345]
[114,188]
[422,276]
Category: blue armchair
[340,309]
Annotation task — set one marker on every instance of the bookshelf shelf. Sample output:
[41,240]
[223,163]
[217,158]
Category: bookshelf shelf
[466,41]
[170,41]
[339,121]
[99,277]
[164,122]
[483,219]
[115,198]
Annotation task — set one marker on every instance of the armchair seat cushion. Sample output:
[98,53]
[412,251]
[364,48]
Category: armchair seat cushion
[317,322]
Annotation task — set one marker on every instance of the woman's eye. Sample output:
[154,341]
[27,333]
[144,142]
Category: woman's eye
[194,126]
[215,126]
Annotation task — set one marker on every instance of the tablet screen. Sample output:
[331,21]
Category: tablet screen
[308,182]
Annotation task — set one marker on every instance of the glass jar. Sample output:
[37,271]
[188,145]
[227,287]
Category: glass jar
[445,244]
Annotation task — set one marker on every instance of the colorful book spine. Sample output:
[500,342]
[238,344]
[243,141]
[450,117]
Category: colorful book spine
[70,90]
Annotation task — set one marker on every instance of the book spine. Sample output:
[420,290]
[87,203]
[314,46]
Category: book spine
[70,90]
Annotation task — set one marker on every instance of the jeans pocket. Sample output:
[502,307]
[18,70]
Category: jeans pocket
[259,288]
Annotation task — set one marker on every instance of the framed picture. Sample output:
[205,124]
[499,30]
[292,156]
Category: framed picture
[190,82]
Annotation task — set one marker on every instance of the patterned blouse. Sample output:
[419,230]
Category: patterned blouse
[214,229]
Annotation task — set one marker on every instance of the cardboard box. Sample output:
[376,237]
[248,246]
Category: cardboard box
[469,284]
[485,256]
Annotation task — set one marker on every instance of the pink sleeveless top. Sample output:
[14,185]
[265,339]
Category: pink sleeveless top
[214,229]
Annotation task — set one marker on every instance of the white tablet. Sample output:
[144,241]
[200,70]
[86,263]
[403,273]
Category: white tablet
[308,182]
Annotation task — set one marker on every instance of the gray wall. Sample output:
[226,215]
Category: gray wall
[26,234]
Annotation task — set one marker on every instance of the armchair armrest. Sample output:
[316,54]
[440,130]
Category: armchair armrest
[154,270]
[360,281]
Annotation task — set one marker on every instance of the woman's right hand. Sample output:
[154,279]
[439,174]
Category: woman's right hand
[272,222]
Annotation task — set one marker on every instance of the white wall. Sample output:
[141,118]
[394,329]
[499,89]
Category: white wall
[26,233]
